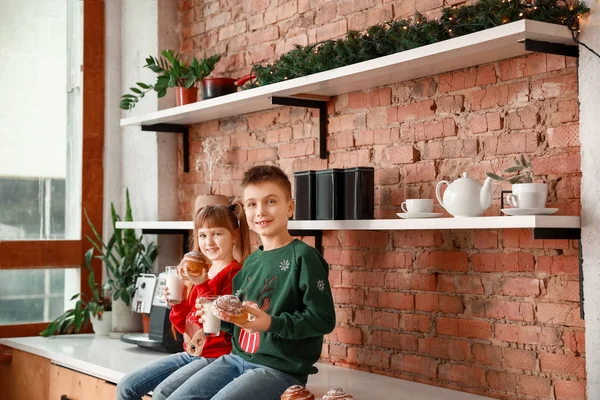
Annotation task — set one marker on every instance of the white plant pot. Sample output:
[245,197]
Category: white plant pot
[124,320]
[102,326]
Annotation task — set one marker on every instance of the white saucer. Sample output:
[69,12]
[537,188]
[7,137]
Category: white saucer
[529,211]
[419,215]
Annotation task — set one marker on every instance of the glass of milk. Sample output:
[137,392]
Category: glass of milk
[212,324]
[174,284]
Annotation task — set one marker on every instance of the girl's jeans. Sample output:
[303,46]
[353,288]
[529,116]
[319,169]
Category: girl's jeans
[162,376]
[230,377]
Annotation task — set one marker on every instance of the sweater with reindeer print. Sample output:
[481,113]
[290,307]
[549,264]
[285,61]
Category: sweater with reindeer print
[291,285]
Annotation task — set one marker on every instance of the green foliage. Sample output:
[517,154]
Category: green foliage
[522,167]
[401,35]
[76,319]
[125,257]
[172,71]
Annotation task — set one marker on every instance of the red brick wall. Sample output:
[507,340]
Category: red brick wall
[491,312]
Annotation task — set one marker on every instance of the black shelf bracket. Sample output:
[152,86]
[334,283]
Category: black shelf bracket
[551,48]
[557,233]
[184,232]
[317,234]
[321,105]
[174,128]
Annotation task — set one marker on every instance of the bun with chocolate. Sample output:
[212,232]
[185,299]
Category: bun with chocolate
[337,394]
[230,309]
[297,392]
[195,263]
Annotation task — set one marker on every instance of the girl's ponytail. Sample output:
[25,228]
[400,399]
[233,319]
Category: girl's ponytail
[244,236]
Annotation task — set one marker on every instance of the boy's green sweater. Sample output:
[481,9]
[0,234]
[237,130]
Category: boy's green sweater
[291,285]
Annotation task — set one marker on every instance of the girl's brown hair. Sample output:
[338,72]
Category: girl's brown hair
[230,217]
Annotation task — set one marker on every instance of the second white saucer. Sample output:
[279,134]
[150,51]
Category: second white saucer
[419,215]
[529,211]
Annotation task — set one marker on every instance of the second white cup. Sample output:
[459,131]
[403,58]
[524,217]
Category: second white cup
[417,206]
[527,200]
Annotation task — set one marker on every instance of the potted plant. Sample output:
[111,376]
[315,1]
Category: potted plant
[96,310]
[172,71]
[125,257]
[212,154]
[522,182]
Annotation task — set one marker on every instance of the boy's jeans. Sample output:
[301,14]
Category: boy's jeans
[230,377]
[162,376]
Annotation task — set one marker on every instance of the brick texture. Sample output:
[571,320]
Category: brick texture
[489,312]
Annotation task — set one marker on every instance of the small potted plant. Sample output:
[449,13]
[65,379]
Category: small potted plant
[211,156]
[522,182]
[96,310]
[172,72]
[125,257]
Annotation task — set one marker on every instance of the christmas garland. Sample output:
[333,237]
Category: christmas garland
[400,35]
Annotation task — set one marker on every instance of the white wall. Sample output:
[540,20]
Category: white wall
[589,132]
[144,162]
[33,106]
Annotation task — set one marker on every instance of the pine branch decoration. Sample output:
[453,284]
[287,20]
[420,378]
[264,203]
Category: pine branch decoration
[400,35]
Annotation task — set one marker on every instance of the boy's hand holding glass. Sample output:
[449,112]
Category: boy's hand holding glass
[258,321]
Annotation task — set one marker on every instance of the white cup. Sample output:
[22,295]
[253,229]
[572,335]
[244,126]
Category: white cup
[211,324]
[417,206]
[527,200]
[174,284]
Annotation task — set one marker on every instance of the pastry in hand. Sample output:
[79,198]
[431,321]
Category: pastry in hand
[337,394]
[229,308]
[195,267]
[297,392]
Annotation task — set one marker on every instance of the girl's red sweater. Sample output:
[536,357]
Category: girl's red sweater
[185,312]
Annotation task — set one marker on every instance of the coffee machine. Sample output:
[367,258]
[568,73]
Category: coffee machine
[148,297]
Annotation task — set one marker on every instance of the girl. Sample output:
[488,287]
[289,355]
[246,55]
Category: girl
[218,232]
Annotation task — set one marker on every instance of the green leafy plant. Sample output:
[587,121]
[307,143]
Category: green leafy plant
[405,34]
[523,169]
[77,318]
[172,72]
[125,257]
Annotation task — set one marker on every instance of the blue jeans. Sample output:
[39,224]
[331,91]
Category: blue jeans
[162,376]
[230,377]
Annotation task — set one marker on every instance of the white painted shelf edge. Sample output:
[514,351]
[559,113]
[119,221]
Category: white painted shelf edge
[505,222]
[465,51]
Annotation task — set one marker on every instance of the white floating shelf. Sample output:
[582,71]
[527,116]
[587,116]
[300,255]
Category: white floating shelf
[530,221]
[465,51]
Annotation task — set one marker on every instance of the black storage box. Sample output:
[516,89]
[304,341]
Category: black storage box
[360,193]
[330,194]
[305,195]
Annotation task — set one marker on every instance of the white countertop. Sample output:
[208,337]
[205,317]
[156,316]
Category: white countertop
[110,359]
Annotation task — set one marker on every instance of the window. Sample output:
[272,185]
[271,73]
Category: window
[57,47]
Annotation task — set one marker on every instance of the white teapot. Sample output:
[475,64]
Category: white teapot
[465,197]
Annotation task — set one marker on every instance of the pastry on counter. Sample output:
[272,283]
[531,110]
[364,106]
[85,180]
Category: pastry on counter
[229,308]
[337,394]
[297,392]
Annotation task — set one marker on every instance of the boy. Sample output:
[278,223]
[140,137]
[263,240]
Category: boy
[284,285]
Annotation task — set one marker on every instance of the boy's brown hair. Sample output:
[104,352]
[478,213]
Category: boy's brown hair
[268,173]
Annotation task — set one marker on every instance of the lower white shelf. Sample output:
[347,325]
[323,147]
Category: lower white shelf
[505,222]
